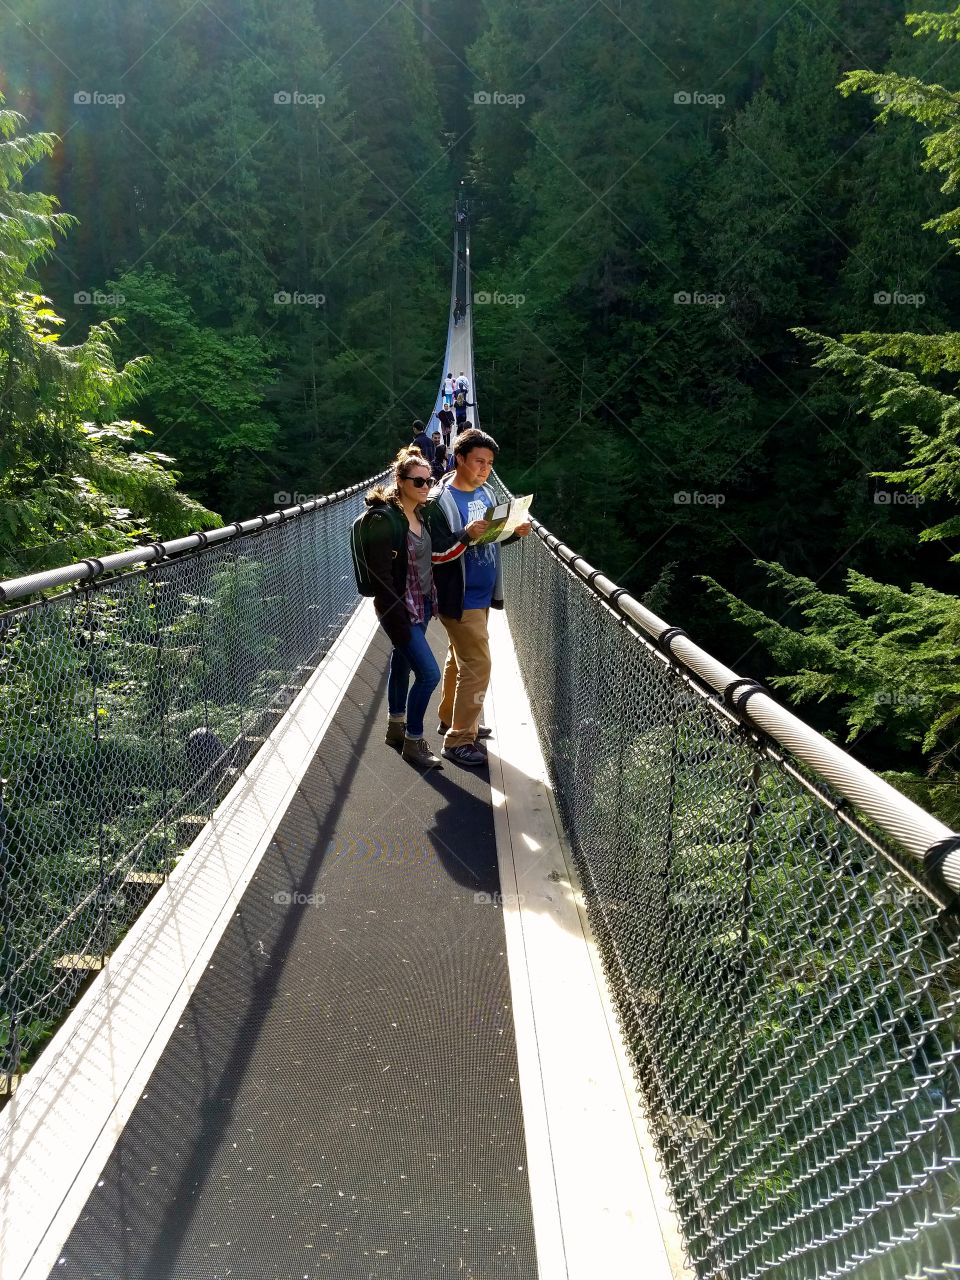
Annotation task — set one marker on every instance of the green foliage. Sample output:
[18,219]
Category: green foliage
[203,388]
[889,654]
[105,690]
[779,982]
[601,199]
[927,417]
[74,479]
[890,657]
[937,109]
[210,192]
[28,221]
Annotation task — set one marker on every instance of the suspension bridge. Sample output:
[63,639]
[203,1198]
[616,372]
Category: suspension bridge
[669,989]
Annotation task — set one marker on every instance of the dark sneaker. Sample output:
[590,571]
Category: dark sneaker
[483,732]
[467,753]
[396,732]
[417,752]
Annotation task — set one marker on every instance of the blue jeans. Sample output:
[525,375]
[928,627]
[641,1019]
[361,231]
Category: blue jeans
[417,657]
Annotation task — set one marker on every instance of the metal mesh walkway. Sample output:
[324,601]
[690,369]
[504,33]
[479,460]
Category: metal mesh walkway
[340,1098]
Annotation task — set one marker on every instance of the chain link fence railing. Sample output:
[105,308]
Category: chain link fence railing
[130,706]
[786,978]
[788,992]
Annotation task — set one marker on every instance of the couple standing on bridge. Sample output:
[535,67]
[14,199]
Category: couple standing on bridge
[419,548]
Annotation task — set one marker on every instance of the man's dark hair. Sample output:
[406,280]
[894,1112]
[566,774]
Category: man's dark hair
[474,438]
[417,426]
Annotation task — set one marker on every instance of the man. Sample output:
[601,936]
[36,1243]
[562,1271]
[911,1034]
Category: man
[463,383]
[422,441]
[436,439]
[449,388]
[469,583]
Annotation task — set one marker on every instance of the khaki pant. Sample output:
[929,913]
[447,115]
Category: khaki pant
[466,675]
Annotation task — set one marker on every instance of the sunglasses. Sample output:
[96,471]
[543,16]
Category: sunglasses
[420,482]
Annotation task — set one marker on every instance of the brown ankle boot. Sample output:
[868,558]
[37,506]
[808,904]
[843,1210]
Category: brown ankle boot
[417,752]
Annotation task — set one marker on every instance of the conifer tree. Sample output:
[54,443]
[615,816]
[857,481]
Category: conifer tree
[891,655]
[75,479]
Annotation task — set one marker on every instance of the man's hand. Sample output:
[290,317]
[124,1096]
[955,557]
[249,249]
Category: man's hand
[523,529]
[476,528]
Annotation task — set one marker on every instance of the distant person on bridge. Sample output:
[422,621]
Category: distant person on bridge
[422,441]
[463,382]
[439,466]
[468,586]
[458,311]
[446,418]
[397,550]
[449,387]
[460,407]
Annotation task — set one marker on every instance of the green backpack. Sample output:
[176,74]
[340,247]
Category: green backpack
[367,585]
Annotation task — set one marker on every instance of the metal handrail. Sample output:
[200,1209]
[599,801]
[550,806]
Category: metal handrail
[150,553]
[894,814]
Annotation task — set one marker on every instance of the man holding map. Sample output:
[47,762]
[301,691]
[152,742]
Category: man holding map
[469,582]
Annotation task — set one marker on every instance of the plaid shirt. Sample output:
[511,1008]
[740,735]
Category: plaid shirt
[413,597]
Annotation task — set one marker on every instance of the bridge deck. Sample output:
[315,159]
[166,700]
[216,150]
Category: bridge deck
[329,1049]
[340,1097]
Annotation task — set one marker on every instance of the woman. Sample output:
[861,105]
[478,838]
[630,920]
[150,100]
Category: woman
[398,550]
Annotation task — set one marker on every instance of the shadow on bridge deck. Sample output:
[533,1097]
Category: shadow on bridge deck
[340,1097]
[359,1033]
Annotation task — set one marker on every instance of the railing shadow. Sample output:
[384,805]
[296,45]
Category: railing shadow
[194,1103]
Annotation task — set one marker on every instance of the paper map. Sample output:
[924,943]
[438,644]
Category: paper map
[505,517]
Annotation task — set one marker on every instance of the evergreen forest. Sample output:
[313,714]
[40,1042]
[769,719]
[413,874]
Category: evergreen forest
[720,243]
